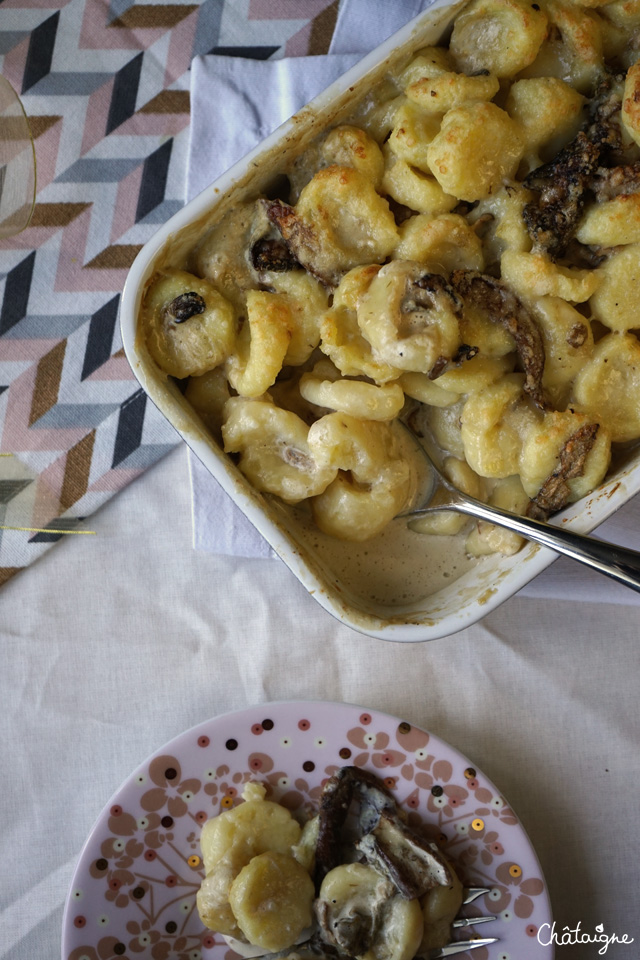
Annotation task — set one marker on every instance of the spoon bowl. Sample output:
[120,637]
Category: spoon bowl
[618,563]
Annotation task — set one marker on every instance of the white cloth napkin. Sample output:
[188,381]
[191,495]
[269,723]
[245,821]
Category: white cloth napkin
[248,99]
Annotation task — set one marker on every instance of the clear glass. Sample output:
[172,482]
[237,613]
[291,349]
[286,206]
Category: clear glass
[17,164]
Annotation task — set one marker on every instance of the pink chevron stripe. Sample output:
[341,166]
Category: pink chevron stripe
[153,124]
[18,435]
[71,275]
[98,33]
[49,487]
[111,281]
[281,9]
[114,480]
[96,116]
[47,146]
[115,368]
[298,44]
[13,63]
[180,48]
[29,239]
[124,215]
[72,248]
[17,351]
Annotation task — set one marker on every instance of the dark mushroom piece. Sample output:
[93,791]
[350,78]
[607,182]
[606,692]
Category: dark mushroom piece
[184,306]
[301,240]
[561,186]
[610,182]
[554,492]
[584,257]
[412,864]
[273,255]
[335,801]
[564,183]
[421,296]
[425,292]
[503,306]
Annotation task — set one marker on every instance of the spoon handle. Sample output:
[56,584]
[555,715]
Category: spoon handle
[613,561]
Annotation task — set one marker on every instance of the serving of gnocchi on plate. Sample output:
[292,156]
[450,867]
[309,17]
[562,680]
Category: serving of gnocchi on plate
[198,849]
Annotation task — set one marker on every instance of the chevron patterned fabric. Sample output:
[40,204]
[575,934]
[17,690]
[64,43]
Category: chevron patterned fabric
[106,88]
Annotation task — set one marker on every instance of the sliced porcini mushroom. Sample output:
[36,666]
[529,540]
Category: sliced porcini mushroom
[360,914]
[503,306]
[562,185]
[422,295]
[426,290]
[372,909]
[185,306]
[611,182]
[270,254]
[349,907]
[554,492]
[351,933]
[414,865]
[336,799]
[300,239]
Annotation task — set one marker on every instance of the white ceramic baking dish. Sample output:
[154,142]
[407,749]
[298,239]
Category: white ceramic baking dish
[399,586]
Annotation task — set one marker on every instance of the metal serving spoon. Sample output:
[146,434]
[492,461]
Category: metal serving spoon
[615,562]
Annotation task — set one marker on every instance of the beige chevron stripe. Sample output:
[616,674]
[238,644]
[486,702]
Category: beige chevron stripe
[7,572]
[119,256]
[56,214]
[48,374]
[168,101]
[322,28]
[153,16]
[40,125]
[76,473]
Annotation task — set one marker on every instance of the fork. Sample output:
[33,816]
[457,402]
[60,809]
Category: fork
[461,946]
[616,562]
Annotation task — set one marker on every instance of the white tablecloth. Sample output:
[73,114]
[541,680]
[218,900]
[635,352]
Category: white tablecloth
[113,644]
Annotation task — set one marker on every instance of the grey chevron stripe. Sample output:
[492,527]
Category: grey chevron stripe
[65,415]
[11,488]
[208,29]
[162,212]
[69,84]
[37,326]
[99,171]
[146,455]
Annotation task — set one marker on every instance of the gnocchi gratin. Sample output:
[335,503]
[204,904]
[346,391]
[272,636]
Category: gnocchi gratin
[463,251]
[378,892]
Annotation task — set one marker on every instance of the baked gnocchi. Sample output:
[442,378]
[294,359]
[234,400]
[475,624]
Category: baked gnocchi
[463,248]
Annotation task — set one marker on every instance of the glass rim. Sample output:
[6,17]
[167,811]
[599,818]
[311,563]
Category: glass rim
[30,201]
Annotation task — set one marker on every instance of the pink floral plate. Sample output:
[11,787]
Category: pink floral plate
[134,890]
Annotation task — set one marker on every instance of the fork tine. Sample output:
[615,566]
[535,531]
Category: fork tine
[471,921]
[460,946]
[472,893]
